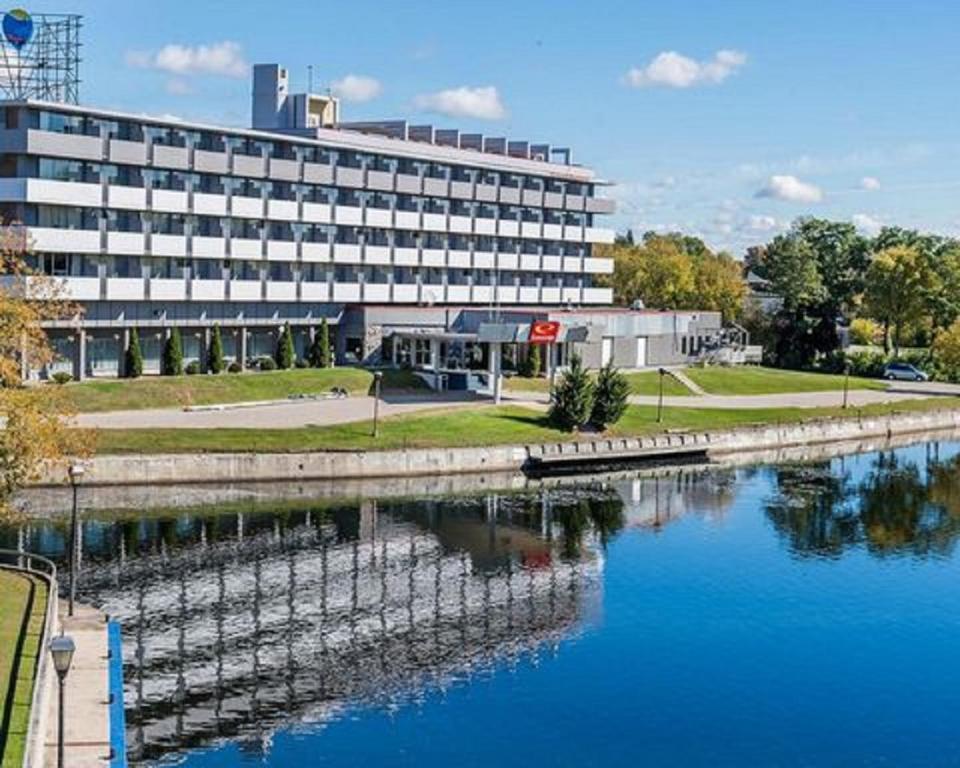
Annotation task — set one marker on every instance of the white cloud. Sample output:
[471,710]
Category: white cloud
[224,58]
[869,225]
[790,188]
[762,223]
[482,103]
[356,88]
[674,70]
[870,183]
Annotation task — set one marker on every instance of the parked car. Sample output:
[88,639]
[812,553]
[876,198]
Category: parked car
[904,372]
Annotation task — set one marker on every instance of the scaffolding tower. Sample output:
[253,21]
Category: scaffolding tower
[47,66]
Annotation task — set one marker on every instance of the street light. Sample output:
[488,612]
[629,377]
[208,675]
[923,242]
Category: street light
[377,380]
[76,474]
[61,649]
[846,382]
[663,372]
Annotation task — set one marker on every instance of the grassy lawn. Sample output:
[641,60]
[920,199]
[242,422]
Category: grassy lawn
[179,391]
[641,383]
[486,425]
[21,597]
[750,380]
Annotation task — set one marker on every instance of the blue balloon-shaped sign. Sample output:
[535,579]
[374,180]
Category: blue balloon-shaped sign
[17,27]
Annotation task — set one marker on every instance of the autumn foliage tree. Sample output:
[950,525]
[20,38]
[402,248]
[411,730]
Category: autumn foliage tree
[36,433]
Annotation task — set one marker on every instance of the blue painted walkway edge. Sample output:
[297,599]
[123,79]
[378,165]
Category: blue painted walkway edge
[118,727]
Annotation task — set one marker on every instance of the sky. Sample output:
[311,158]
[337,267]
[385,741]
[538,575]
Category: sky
[722,120]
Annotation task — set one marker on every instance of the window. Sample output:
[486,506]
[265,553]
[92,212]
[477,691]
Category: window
[166,223]
[124,221]
[281,271]
[59,170]
[58,122]
[63,217]
[124,266]
[245,270]
[206,269]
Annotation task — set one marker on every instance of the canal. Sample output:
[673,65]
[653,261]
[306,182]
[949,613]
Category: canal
[797,613]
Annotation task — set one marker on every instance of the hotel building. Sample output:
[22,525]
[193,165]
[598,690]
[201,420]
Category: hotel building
[419,246]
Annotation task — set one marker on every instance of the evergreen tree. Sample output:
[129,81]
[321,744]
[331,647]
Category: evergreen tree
[215,354]
[285,354]
[572,398]
[171,363]
[133,358]
[534,362]
[320,349]
[609,397]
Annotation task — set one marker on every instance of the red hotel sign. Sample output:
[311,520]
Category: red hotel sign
[544,332]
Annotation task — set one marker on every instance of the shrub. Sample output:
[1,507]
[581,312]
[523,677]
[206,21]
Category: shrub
[609,397]
[572,398]
[285,353]
[192,368]
[865,332]
[171,363]
[61,377]
[215,355]
[530,367]
[133,357]
[946,352]
[234,367]
[267,364]
[867,364]
[301,363]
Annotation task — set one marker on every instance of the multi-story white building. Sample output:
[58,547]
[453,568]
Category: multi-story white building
[384,229]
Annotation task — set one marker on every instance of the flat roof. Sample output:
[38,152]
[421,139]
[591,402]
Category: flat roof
[345,139]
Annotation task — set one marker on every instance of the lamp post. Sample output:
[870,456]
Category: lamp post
[61,649]
[663,372]
[377,381]
[846,382]
[76,474]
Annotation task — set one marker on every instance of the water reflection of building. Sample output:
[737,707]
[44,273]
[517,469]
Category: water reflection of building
[237,624]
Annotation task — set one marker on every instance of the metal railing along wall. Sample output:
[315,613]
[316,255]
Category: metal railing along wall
[44,568]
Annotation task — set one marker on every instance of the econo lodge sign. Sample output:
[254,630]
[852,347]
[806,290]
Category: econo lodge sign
[544,332]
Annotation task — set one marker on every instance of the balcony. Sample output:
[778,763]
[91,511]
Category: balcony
[281,250]
[244,248]
[597,235]
[406,293]
[507,294]
[552,231]
[317,213]
[63,192]
[408,220]
[281,291]
[530,262]
[551,263]
[168,245]
[598,295]
[508,261]
[209,205]
[595,266]
[458,259]
[125,289]
[376,254]
[169,201]
[244,290]
[315,291]
[125,243]
[282,210]
[346,253]
[483,260]
[315,252]
[529,294]
[208,290]
[572,264]
[81,288]
[482,294]
[64,240]
[485,226]
[349,215]
[573,233]
[435,222]
[379,217]
[458,294]
[434,257]
[509,228]
[209,247]
[571,295]
[247,207]
[406,257]
[461,225]
[549,295]
[376,293]
[530,229]
[162,289]
[130,198]
[346,291]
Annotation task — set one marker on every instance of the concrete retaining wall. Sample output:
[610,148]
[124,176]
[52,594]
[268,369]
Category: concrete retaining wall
[236,467]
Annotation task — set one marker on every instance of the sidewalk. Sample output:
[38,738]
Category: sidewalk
[86,698]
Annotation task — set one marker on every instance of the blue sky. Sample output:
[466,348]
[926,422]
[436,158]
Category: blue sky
[724,120]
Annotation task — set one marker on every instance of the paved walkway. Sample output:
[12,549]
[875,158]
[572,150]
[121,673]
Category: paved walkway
[86,698]
[289,414]
[284,414]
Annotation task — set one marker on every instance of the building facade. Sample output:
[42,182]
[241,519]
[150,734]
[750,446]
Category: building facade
[156,223]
